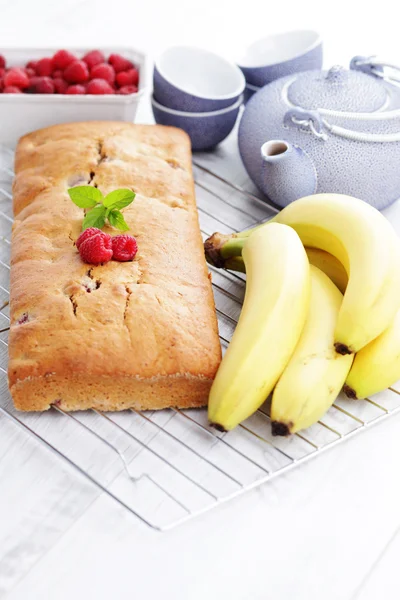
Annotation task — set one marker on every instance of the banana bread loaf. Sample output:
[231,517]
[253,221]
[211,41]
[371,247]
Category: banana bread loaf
[140,334]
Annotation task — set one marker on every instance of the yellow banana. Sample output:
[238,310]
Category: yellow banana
[365,244]
[315,373]
[272,318]
[377,366]
[330,266]
[319,258]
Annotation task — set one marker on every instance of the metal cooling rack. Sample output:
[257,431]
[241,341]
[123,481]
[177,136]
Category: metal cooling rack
[166,467]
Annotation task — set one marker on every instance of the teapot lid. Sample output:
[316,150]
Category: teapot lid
[338,89]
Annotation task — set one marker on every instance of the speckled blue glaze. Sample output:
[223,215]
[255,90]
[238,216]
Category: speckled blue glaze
[249,91]
[168,95]
[261,75]
[303,177]
[205,130]
[346,122]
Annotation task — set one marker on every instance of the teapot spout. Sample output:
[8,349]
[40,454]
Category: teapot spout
[288,172]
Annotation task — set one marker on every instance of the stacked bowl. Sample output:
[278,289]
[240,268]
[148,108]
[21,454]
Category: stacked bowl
[279,55]
[199,92]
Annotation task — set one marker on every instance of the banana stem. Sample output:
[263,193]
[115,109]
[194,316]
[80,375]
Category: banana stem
[220,247]
[236,263]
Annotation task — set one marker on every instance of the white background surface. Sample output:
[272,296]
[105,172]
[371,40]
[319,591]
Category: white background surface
[327,531]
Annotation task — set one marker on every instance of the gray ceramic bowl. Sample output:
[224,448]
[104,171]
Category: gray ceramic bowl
[205,130]
[279,55]
[195,80]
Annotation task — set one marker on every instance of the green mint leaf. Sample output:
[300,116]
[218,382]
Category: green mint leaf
[119,198]
[117,220]
[85,196]
[95,218]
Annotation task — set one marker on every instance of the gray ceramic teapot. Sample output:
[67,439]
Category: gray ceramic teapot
[325,131]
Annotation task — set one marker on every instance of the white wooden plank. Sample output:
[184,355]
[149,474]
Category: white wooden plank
[300,535]
[40,498]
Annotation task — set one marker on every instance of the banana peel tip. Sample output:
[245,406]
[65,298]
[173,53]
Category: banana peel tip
[342,348]
[350,393]
[280,428]
[218,427]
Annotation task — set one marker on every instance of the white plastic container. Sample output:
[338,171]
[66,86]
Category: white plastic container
[22,113]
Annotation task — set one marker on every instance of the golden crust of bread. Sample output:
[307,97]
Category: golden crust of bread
[141,334]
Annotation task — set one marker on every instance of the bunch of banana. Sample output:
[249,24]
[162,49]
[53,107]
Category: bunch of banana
[355,246]
[365,244]
[272,318]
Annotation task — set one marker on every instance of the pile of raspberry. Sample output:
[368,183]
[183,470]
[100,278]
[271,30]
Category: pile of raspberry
[65,73]
[96,247]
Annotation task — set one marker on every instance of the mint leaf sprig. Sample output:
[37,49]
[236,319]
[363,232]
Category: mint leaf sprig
[103,208]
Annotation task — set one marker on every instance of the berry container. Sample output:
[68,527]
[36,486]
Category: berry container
[22,113]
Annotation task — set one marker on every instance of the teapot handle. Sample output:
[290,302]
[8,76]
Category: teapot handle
[372,65]
[307,120]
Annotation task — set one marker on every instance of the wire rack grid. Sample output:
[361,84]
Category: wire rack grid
[166,467]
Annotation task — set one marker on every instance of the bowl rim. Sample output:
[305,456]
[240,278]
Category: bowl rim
[282,34]
[213,113]
[253,88]
[232,65]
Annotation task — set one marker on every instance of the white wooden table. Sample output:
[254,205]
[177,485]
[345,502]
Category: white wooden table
[326,531]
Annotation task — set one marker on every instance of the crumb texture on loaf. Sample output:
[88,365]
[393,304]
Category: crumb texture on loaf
[139,334]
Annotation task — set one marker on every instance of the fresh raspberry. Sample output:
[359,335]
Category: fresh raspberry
[89,232]
[44,67]
[33,81]
[2,72]
[16,77]
[96,249]
[30,72]
[75,89]
[93,58]
[2,62]
[44,85]
[32,64]
[57,74]
[119,63]
[12,89]
[124,247]
[127,89]
[103,71]
[62,59]
[130,77]
[1,86]
[99,86]
[60,86]
[76,72]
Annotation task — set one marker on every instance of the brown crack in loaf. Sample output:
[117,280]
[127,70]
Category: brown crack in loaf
[101,156]
[74,304]
[141,334]
[95,283]
[173,163]
[128,297]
